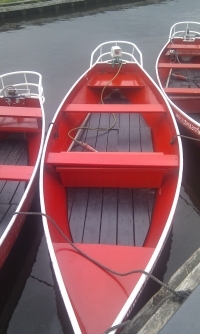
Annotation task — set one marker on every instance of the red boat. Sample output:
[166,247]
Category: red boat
[178,74]
[109,184]
[22,136]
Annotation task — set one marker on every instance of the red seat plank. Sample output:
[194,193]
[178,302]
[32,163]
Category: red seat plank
[182,91]
[184,47]
[112,159]
[8,111]
[15,173]
[179,65]
[116,108]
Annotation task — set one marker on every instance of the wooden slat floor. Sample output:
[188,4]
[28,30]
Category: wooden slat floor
[193,81]
[192,75]
[13,151]
[111,215]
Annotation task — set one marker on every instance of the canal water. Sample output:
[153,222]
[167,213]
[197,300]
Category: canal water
[59,47]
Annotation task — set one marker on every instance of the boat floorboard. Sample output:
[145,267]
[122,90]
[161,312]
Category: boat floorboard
[110,215]
[192,78]
[13,151]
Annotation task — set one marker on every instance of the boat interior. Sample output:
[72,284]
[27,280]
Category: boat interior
[179,71]
[107,204]
[20,136]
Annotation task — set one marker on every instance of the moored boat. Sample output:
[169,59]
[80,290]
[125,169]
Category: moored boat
[22,129]
[109,184]
[178,74]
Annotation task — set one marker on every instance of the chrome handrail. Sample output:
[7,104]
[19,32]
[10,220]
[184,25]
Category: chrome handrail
[9,79]
[185,31]
[134,54]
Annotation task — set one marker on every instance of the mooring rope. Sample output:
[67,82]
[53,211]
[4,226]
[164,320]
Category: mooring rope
[191,138]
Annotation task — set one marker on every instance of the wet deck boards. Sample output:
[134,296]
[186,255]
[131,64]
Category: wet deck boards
[112,216]
[193,81]
[13,151]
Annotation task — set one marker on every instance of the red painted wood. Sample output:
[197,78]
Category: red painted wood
[96,295]
[184,47]
[116,108]
[15,173]
[178,65]
[112,177]
[182,91]
[14,111]
[113,159]
[17,124]
[123,80]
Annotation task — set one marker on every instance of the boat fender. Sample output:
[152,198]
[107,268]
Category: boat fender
[179,77]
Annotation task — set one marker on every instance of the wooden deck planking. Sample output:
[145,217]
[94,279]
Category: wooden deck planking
[108,233]
[124,138]
[141,215]
[107,216]
[13,151]
[125,231]
[102,135]
[193,76]
[7,217]
[78,212]
[91,136]
[113,134]
[135,138]
[93,216]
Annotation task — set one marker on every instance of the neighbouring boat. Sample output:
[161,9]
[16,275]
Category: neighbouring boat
[109,184]
[178,74]
[22,129]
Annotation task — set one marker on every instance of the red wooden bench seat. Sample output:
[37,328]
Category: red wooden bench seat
[182,91]
[116,108]
[20,119]
[179,65]
[123,80]
[183,46]
[8,111]
[112,169]
[15,173]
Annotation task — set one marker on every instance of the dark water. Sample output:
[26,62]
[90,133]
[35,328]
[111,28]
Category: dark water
[59,48]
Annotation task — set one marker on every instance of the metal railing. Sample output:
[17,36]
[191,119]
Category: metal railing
[130,53]
[187,30]
[26,83]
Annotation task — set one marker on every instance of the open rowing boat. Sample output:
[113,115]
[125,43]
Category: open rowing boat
[109,184]
[178,74]
[21,140]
